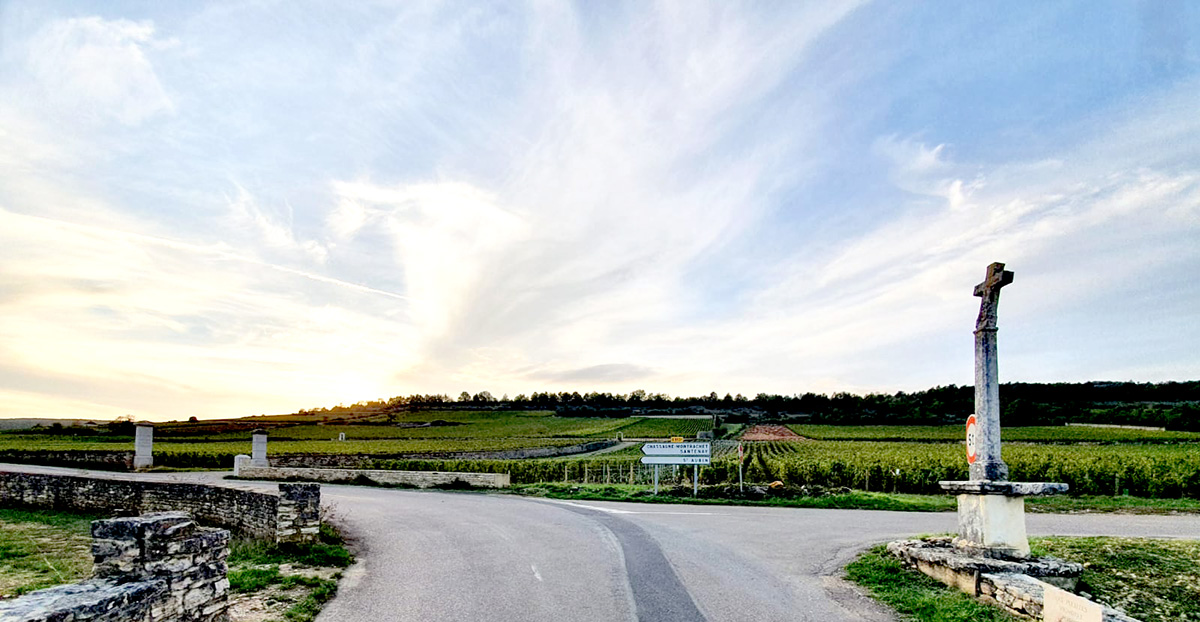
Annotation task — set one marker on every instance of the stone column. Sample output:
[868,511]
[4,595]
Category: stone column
[258,449]
[298,515]
[988,465]
[991,510]
[143,446]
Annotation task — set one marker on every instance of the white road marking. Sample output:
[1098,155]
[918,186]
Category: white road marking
[536,574]
[616,511]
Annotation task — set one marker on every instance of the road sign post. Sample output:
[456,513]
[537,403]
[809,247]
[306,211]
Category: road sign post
[675,454]
[741,455]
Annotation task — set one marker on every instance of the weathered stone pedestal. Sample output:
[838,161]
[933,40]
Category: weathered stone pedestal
[991,515]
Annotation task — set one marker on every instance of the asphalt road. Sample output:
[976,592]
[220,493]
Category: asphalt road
[467,556]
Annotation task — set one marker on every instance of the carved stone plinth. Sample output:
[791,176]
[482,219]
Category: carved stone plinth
[991,515]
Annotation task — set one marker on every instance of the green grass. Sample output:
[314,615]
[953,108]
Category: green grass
[913,594]
[1121,504]
[683,494]
[252,579]
[321,592]
[255,566]
[1152,580]
[855,499]
[325,554]
[40,549]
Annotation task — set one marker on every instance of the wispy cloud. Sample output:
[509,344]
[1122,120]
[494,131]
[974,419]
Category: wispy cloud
[91,67]
[228,209]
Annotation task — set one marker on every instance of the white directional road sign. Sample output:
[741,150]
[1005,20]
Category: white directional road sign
[676,449]
[693,460]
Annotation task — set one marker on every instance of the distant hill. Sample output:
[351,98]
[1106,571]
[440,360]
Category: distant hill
[25,424]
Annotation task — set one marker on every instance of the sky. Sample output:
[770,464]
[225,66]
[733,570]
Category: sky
[222,209]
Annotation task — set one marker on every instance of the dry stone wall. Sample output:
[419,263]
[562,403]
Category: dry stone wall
[359,461]
[419,479]
[98,460]
[156,568]
[292,514]
[1017,586]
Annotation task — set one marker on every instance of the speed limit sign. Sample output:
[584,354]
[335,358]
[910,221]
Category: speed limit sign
[971,438]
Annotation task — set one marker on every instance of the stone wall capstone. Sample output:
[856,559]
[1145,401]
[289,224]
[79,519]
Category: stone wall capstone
[417,479]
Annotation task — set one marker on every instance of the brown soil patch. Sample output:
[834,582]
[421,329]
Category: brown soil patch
[270,603]
[771,433]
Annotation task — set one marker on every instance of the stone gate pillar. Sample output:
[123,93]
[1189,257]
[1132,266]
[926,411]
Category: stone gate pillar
[143,446]
[258,449]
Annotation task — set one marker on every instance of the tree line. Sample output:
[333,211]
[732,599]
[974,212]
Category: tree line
[1174,405]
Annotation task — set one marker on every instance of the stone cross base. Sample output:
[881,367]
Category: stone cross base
[991,515]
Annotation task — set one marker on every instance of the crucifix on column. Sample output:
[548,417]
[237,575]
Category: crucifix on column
[991,509]
[988,465]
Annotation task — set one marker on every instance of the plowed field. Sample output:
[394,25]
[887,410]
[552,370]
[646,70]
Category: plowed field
[771,433]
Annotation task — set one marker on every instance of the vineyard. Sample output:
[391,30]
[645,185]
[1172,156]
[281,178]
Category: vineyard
[954,433]
[1168,471]
[663,428]
[1162,471]
[912,459]
[214,444]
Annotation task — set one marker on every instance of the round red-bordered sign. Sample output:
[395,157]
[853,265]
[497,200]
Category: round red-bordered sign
[971,439]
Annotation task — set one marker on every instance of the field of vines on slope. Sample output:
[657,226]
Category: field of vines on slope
[1030,434]
[425,424]
[1148,469]
[1166,471]
[665,428]
[1140,470]
[220,454]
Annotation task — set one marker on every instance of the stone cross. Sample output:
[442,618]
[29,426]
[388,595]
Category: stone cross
[988,465]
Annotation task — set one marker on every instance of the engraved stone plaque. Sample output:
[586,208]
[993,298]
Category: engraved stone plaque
[1062,606]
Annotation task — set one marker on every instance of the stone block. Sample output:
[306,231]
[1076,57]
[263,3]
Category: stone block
[994,523]
[240,461]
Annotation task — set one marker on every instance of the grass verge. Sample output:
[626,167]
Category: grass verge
[1152,580]
[683,494]
[42,548]
[1120,504]
[296,579]
[853,499]
[914,594]
[807,497]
